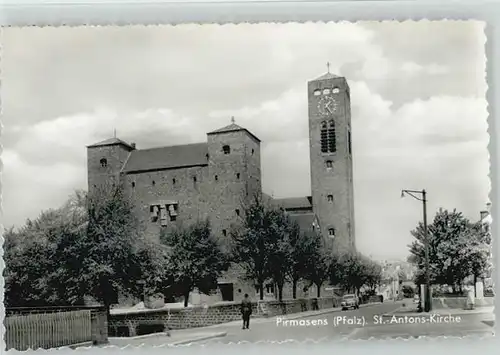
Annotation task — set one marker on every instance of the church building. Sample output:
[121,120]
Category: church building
[178,185]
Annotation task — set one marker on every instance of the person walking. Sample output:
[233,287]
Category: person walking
[246,311]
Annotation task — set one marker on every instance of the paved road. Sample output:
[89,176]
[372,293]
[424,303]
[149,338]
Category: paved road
[358,324]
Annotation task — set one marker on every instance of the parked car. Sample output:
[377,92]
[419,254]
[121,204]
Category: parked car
[349,301]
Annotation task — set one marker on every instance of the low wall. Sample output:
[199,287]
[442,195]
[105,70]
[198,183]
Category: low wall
[157,320]
[459,302]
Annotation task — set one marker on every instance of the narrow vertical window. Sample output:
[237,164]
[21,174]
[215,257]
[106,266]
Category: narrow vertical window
[224,232]
[331,232]
[172,211]
[238,212]
[324,138]
[216,178]
[332,143]
[329,165]
[349,142]
[226,149]
[103,162]
[237,175]
[173,181]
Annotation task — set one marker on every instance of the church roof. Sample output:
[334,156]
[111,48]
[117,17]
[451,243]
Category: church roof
[327,76]
[306,221]
[233,127]
[294,203]
[111,141]
[167,157]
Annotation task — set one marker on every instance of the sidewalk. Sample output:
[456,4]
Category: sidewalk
[164,339]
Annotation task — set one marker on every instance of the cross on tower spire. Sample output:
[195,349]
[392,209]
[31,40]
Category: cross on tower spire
[328,67]
[114,133]
[232,119]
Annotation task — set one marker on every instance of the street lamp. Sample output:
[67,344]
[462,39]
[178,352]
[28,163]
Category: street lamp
[422,196]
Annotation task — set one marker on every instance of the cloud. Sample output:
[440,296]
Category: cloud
[413,69]
[29,188]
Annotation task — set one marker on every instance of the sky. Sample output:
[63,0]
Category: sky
[419,113]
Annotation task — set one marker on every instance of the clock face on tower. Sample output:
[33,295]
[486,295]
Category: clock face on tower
[327,105]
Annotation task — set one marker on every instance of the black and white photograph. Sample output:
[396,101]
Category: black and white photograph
[213,184]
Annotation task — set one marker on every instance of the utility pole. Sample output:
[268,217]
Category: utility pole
[423,198]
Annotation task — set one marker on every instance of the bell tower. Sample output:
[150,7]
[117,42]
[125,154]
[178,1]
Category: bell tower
[331,158]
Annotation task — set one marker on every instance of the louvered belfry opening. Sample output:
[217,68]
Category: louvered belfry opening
[328,137]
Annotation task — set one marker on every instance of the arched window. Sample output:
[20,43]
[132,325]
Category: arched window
[331,232]
[329,164]
[103,162]
[330,198]
[226,149]
[317,92]
[326,91]
[335,90]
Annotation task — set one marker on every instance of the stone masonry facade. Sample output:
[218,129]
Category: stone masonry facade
[176,186]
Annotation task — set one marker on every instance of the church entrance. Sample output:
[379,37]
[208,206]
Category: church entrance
[227,291]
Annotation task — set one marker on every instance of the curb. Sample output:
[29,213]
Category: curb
[145,336]
[201,338]
[85,344]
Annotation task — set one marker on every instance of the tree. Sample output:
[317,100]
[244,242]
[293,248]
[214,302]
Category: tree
[108,249]
[88,247]
[457,249]
[373,272]
[318,268]
[29,261]
[152,268]
[250,243]
[476,251]
[303,249]
[196,259]
[279,248]
[353,271]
